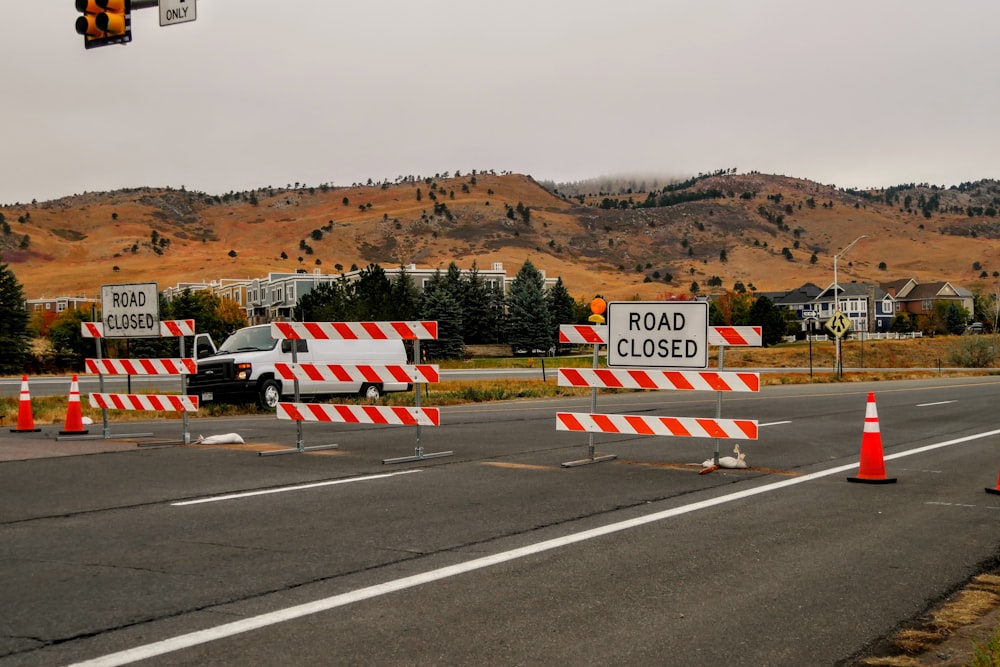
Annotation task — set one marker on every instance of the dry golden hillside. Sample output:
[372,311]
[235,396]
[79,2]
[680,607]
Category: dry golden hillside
[73,245]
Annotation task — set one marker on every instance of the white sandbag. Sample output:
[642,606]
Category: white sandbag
[223,439]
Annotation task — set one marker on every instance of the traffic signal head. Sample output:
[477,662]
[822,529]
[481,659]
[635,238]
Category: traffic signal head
[104,22]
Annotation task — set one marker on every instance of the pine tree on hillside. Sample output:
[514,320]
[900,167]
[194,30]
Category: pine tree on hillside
[13,323]
[529,322]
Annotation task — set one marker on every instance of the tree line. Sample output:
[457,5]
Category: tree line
[468,310]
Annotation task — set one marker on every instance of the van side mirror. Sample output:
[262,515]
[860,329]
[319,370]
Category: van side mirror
[204,346]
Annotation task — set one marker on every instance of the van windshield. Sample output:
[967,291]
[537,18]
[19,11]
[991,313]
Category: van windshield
[244,340]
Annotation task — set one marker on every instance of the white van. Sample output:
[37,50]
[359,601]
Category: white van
[242,368]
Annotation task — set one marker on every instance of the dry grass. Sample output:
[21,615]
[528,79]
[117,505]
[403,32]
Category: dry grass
[921,645]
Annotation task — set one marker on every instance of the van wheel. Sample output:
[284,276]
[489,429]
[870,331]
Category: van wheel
[269,394]
[371,391]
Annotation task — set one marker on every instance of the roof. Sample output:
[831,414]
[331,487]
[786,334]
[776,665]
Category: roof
[855,290]
[937,290]
[899,287]
[804,294]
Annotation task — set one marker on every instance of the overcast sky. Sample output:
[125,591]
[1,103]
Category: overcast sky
[855,93]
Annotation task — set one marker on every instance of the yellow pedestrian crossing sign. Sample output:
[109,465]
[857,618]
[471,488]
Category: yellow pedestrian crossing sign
[839,324]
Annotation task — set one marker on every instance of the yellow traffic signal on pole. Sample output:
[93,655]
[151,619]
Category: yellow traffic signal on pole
[104,22]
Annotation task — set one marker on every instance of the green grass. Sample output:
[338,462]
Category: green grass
[987,654]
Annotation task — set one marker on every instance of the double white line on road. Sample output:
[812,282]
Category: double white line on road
[280,616]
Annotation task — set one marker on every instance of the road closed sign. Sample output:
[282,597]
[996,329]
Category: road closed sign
[130,311]
[658,334]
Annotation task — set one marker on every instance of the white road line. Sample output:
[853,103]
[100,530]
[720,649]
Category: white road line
[789,421]
[199,637]
[285,489]
[927,405]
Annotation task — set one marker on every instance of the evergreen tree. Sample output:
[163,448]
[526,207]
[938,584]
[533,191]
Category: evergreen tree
[456,285]
[562,309]
[405,297]
[529,323]
[372,296]
[67,341]
[326,302]
[770,318]
[478,314]
[13,323]
[497,299]
[438,304]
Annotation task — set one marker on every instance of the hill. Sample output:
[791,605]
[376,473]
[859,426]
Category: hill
[769,232]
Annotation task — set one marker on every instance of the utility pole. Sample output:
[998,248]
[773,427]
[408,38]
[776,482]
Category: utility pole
[838,363]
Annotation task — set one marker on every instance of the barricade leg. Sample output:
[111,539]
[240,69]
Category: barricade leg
[592,456]
[418,453]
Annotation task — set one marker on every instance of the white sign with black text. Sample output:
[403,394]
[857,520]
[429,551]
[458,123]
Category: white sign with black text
[658,334]
[177,11]
[130,310]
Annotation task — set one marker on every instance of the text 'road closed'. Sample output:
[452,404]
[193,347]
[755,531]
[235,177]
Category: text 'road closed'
[130,310]
[659,334]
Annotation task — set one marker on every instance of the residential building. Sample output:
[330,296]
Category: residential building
[868,307]
[274,297]
[920,298]
[58,304]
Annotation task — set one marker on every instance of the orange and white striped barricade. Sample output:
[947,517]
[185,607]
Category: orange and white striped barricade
[360,414]
[583,334]
[418,375]
[746,336]
[168,329]
[586,334]
[415,331]
[147,402]
[689,427]
[723,337]
[648,378]
[182,367]
[596,335]
[359,373]
[652,379]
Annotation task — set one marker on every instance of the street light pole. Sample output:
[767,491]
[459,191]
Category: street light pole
[838,364]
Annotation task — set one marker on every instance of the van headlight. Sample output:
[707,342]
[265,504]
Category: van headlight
[243,371]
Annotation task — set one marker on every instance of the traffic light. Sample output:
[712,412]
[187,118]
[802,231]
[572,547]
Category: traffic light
[104,22]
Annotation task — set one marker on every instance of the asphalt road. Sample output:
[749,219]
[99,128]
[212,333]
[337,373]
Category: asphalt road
[499,555]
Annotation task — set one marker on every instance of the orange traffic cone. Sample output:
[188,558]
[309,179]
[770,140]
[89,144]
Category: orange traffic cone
[872,467]
[25,419]
[996,490]
[74,415]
